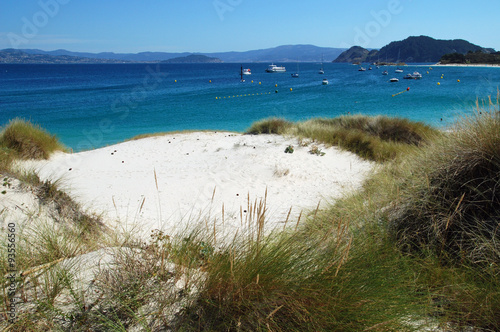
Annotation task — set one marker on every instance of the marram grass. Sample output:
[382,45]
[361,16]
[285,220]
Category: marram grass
[28,141]
[451,202]
[377,138]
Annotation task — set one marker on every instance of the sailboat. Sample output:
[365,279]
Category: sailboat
[321,71]
[398,70]
[241,74]
[296,74]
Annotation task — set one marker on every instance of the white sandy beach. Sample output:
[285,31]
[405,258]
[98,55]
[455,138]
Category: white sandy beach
[169,182]
[465,65]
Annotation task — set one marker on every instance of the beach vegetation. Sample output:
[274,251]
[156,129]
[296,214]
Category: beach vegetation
[25,140]
[270,126]
[417,248]
[379,138]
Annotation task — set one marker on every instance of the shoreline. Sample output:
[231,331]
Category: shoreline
[466,65]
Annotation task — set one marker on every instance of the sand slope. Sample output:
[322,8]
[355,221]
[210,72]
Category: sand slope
[167,182]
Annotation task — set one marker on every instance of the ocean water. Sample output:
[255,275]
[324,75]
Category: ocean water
[90,106]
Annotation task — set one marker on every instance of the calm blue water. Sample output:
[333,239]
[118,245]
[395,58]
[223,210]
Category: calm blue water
[89,106]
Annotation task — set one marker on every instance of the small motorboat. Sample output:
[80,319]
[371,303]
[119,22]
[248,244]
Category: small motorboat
[394,79]
[362,69]
[295,75]
[385,72]
[416,75]
[247,71]
[399,70]
[325,81]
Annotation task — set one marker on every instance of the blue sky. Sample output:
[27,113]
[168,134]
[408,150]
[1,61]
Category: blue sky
[239,25]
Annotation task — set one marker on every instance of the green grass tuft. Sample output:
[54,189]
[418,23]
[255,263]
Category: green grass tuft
[28,141]
[269,126]
[451,202]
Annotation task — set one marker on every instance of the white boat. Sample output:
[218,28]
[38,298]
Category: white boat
[385,72]
[416,75]
[325,81]
[362,69]
[275,69]
[398,70]
[247,71]
[393,80]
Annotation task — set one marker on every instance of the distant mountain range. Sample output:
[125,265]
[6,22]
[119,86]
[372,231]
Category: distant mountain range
[193,58]
[412,49]
[285,53]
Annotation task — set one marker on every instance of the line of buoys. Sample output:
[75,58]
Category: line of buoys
[246,95]
[407,89]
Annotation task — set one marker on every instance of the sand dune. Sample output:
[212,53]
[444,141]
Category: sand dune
[168,182]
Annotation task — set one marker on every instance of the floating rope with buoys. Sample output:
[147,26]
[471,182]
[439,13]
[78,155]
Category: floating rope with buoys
[407,89]
[250,94]
[245,95]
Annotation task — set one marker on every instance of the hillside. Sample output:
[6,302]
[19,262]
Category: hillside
[477,57]
[194,58]
[17,56]
[354,54]
[412,49]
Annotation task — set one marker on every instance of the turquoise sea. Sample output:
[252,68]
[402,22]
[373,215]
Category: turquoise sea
[90,106]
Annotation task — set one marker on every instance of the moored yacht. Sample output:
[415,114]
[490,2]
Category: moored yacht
[275,69]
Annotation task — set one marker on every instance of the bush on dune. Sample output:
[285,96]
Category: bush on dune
[377,138]
[269,126]
[451,201]
[28,141]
